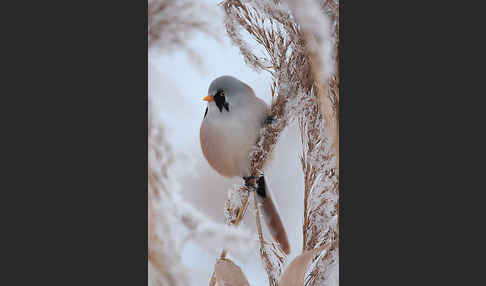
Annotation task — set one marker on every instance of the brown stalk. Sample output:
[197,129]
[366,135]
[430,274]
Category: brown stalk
[269,266]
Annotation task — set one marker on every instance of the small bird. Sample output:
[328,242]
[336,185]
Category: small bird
[229,130]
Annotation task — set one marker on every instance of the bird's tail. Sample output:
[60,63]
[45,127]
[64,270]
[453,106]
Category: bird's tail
[271,215]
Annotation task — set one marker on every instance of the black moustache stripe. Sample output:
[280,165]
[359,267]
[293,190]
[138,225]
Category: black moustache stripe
[221,102]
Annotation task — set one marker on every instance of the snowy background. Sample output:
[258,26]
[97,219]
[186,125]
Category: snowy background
[178,85]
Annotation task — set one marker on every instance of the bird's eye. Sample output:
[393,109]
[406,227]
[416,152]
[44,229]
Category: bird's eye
[221,93]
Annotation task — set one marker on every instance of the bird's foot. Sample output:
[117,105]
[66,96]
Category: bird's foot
[250,181]
[269,120]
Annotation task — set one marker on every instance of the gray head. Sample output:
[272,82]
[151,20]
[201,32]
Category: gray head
[227,92]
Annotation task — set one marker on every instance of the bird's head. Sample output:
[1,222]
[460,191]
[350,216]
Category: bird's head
[226,93]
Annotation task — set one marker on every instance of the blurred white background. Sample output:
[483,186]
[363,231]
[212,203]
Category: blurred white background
[179,84]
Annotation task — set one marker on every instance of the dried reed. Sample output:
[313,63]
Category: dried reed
[292,47]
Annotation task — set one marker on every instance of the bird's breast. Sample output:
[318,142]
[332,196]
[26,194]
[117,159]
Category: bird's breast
[226,145]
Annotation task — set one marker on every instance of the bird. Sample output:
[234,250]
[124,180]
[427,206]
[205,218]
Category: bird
[229,130]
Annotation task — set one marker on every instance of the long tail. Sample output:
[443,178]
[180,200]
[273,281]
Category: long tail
[271,215]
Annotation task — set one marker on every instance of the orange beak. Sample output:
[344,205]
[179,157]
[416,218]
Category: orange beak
[208,98]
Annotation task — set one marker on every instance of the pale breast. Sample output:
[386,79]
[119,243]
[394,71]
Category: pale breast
[217,149]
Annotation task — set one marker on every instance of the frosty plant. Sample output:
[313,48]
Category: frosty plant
[296,42]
